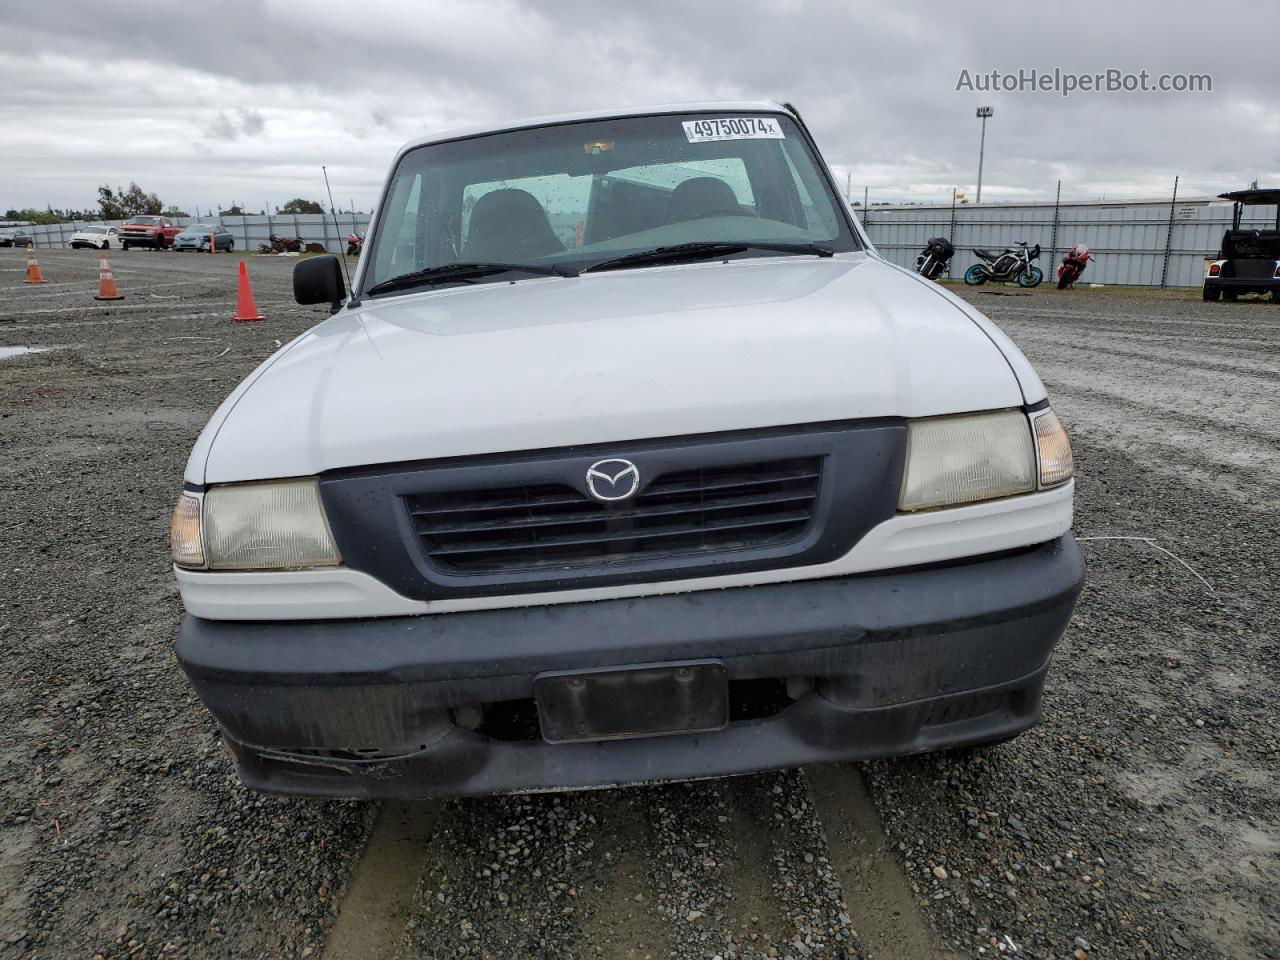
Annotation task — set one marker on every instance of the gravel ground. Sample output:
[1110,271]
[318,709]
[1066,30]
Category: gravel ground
[1142,819]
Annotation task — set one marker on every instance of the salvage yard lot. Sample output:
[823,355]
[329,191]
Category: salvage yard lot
[1142,819]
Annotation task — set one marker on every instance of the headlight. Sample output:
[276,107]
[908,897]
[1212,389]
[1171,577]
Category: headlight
[1053,450]
[278,525]
[955,460]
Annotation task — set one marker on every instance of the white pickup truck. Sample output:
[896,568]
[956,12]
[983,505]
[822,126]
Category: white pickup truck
[626,459]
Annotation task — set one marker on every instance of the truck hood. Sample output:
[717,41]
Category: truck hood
[625,355]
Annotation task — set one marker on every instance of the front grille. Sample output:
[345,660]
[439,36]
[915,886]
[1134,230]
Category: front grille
[681,513]
[708,505]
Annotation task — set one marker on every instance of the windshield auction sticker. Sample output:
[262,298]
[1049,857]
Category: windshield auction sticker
[733,128]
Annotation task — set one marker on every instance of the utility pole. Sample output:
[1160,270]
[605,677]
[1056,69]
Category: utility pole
[983,114]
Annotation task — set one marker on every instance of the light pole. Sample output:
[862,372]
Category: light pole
[983,113]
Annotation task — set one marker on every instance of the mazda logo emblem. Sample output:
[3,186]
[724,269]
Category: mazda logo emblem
[610,480]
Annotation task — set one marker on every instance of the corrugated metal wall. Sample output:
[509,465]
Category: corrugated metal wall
[1128,239]
[248,231]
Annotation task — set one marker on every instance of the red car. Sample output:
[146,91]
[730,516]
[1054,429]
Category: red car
[148,231]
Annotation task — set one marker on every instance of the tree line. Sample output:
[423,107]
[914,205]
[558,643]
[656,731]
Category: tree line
[122,203]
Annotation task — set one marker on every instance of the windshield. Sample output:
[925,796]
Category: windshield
[144,221]
[93,229]
[576,194]
[200,228]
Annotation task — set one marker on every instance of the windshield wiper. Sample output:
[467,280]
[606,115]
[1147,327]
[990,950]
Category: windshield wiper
[703,251]
[462,273]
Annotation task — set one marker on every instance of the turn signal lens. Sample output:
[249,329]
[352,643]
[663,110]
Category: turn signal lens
[184,533]
[267,526]
[1053,449]
[957,460]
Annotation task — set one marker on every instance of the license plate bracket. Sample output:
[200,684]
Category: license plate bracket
[619,703]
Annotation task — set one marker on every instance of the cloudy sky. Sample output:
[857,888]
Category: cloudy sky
[241,101]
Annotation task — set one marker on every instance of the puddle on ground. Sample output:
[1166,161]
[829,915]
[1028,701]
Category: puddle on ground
[7,352]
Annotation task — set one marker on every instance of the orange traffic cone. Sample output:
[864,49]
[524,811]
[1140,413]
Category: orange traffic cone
[246,309]
[33,269]
[106,282]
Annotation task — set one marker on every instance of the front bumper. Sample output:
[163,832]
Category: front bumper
[876,665]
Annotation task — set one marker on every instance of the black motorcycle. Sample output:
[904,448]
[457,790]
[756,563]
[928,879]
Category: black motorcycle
[935,258]
[1007,265]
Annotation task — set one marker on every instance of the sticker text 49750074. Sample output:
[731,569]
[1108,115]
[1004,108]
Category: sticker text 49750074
[733,128]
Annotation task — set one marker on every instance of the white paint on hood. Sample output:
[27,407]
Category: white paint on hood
[614,356]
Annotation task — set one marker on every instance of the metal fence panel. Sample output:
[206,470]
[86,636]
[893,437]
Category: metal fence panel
[1127,238]
[247,232]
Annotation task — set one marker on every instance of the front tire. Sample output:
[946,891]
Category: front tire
[124,245]
[1030,277]
[1211,294]
[974,276]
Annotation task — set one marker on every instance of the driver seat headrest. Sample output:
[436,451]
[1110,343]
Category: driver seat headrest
[700,197]
[509,225]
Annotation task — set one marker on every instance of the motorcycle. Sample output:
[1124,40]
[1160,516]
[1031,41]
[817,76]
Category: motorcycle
[1005,266]
[355,243]
[1073,264]
[935,258]
[281,245]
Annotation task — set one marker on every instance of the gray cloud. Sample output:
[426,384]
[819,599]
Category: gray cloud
[246,123]
[264,91]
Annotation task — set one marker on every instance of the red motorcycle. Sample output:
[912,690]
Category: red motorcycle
[1073,264]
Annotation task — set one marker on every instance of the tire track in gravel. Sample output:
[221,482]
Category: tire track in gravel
[756,910]
[374,914]
[1149,351]
[880,900]
[734,868]
[618,920]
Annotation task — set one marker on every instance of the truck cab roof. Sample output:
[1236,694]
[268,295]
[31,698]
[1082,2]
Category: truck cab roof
[708,106]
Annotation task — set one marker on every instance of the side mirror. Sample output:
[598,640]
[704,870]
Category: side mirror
[319,280]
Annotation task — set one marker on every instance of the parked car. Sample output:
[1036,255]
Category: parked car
[627,459]
[155,233]
[7,235]
[15,237]
[196,237]
[94,236]
[1248,261]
